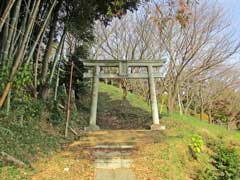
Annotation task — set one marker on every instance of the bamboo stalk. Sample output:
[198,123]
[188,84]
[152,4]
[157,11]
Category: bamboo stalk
[57,56]
[7,53]
[6,13]
[19,55]
[42,30]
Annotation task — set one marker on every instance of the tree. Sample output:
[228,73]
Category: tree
[132,37]
[194,48]
[26,39]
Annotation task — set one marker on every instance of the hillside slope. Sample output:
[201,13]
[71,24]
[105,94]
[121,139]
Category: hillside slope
[169,157]
[160,155]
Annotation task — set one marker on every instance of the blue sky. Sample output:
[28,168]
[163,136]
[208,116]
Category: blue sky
[232,8]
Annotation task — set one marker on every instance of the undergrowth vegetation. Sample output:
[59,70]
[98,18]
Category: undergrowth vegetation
[224,165]
[227,163]
[196,146]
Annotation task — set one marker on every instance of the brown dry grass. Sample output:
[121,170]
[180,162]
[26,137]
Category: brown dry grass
[77,156]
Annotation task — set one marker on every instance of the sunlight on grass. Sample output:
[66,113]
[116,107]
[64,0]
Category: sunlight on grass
[193,122]
[197,124]
[116,94]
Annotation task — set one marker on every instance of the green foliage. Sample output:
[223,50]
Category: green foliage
[26,142]
[227,162]
[109,12]
[22,104]
[5,132]
[82,14]
[208,173]
[14,173]
[23,78]
[35,109]
[27,110]
[196,145]
[57,115]
[3,77]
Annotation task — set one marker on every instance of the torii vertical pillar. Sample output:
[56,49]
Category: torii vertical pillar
[156,125]
[93,115]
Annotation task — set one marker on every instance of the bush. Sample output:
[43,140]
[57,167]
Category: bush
[208,173]
[57,115]
[29,110]
[196,145]
[227,162]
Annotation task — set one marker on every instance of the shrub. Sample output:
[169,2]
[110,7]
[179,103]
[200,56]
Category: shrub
[196,145]
[57,115]
[208,173]
[227,162]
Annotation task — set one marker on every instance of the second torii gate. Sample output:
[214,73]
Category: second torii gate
[123,66]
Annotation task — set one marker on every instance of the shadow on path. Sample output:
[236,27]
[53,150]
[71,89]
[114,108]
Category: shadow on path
[120,114]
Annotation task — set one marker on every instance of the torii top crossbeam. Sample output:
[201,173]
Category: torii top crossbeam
[115,63]
[123,66]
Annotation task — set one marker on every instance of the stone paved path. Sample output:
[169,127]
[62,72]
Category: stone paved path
[113,162]
[117,174]
[100,155]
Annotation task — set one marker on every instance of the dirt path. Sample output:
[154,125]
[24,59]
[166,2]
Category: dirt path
[101,155]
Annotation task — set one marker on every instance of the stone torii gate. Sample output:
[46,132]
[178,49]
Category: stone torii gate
[123,67]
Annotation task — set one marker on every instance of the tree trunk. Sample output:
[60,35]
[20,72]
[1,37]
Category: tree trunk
[57,57]
[119,85]
[9,102]
[180,104]
[210,117]
[57,84]
[171,102]
[6,13]
[5,93]
[195,110]
[201,105]
[201,112]
[42,30]
[46,58]
[11,31]
[18,38]
[38,57]
[5,42]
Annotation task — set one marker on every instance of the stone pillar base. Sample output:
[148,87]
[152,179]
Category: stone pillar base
[157,127]
[92,128]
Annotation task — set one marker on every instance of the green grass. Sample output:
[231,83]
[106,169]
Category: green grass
[116,94]
[27,142]
[13,173]
[215,130]
[191,123]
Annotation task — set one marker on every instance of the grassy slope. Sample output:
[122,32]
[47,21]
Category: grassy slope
[189,121]
[165,156]
[116,94]
[169,156]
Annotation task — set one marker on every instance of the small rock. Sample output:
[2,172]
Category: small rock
[66,169]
